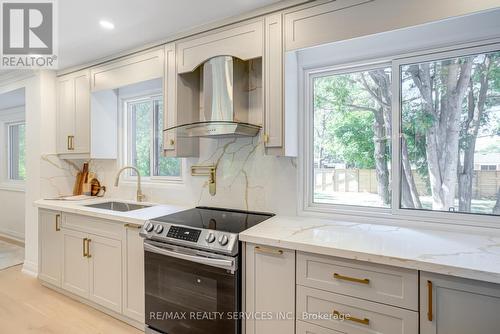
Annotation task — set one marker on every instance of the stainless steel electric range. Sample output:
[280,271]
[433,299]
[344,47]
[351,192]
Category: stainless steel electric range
[192,270]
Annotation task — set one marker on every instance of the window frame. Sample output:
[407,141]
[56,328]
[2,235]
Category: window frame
[126,141]
[395,212]
[9,126]
[15,117]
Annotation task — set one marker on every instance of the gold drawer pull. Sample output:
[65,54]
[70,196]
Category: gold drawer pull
[130,225]
[429,300]
[85,247]
[268,250]
[364,321]
[88,248]
[351,279]
[58,222]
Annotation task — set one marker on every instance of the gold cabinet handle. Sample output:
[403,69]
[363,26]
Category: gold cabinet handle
[85,247]
[351,279]
[364,321]
[429,300]
[130,225]
[268,250]
[68,143]
[58,222]
[71,143]
[88,248]
[171,142]
[266,138]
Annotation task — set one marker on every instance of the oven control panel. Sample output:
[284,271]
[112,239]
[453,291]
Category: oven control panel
[183,233]
[204,239]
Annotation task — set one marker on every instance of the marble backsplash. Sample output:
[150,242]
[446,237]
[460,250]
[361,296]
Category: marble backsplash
[246,178]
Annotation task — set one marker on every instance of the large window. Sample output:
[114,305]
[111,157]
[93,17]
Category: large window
[16,158]
[144,148]
[435,146]
[352,137]
[450,119]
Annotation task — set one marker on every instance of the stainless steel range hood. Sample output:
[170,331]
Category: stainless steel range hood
[224,109]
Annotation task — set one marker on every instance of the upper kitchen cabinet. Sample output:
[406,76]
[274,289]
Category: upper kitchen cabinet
[172,145]
[241,41]
[73,113]
[321,22]
[129,70]
[280,125]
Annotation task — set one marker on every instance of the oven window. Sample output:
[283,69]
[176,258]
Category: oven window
[187,297]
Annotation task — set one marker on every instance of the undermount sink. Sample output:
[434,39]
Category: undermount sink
[118,206]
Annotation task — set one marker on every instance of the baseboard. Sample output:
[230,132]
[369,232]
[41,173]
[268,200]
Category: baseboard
[30,268]
[15,238]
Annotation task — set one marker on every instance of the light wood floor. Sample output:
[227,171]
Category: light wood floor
[28,307]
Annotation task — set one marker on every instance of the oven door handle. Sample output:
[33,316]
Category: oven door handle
[219,263]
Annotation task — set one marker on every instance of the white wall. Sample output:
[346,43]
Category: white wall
[12,196]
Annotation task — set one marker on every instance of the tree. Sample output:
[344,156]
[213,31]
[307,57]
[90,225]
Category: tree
[476,103]
[442,86]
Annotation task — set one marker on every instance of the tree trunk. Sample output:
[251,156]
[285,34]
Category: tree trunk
[380,155]
[408,180]
[442,137]
[475,111]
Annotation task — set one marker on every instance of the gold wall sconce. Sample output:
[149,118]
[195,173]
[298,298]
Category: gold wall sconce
[208,170]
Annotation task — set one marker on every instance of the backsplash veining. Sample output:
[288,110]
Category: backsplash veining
[246,178]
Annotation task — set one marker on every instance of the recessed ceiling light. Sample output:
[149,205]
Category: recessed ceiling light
[107,24]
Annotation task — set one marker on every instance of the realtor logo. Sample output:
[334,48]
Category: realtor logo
[28,32]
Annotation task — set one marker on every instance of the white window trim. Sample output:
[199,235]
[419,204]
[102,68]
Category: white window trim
[128,178]
[14,116]
[374,214]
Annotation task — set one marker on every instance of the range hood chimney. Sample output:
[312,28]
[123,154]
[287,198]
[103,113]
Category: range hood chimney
[225,103]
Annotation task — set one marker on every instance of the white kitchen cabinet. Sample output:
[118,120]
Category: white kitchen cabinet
[244,41]
[320,22]
[273,76]
[451,305]
[172,145]
[128,70]
[92,267]
[50,243]
[270,287]
[307,328]
[133,273]
[73,113]
[75,264]
[105,272]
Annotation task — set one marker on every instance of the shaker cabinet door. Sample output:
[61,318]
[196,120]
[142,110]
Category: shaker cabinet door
[75,274]
[50,243]
[451,305]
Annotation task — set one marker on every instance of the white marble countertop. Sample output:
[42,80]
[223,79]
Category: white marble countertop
[135,217]
[463,254]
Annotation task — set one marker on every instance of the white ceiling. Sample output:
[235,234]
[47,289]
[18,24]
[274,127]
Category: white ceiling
[137,22]
[12,99]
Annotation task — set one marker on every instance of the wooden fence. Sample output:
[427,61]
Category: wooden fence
[485,183]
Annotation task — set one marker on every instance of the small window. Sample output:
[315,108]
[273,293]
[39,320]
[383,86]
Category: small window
[352,138]
[145,140]
[16,151]
[450,116]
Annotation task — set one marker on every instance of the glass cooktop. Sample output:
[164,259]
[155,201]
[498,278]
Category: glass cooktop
[218,219]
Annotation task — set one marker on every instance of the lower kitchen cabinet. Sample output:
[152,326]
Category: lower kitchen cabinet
[270,287]
[105,274]
[92,268]
[133,273]
[305,328]
[75,264]
[450,305]
[50,241]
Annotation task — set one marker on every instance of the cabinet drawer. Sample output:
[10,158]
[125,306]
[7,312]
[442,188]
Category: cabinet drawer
[306,328]
[327,309]
[379,283]
[243,41]
[93,225]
